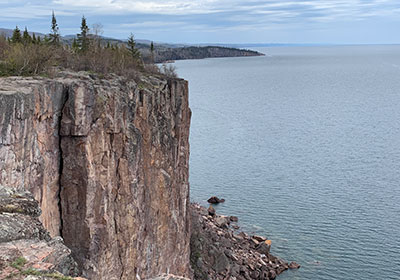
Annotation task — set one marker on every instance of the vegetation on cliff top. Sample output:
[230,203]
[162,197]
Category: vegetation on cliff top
[26,55]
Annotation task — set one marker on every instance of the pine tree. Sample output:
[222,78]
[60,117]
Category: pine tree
[54,36]
[83,39]
[152,51]
[134,52]
[16,37]
[75,46]
[26,38]
[34,40]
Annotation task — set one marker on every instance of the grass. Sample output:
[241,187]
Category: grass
[19,263]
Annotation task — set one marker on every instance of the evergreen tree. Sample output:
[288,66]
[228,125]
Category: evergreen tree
[134,52]
[75,46]
[46,39]
[152,51]
[83,39]
[34,40]
[26,38]
[54,36]
[16,37]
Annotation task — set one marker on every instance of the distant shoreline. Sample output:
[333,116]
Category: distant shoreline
[166,55]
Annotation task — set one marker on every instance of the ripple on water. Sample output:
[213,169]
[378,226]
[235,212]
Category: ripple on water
[304,145]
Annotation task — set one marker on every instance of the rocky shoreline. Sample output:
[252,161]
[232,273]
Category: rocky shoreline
[219,251]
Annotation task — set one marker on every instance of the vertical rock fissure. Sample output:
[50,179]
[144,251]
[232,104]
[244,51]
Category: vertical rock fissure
[118,182]
[61,163]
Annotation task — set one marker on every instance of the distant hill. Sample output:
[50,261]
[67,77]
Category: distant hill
[164,52]
[9,32]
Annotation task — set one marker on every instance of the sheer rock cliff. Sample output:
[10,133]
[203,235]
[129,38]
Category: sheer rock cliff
[107,160]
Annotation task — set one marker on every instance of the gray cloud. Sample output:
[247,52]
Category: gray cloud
[119,17]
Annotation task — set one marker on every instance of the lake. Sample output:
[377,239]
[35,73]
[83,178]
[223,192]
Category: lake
[304,145]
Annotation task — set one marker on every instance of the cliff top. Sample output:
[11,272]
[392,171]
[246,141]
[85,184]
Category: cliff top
[25,84]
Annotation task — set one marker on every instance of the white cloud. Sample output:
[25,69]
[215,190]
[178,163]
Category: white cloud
[328,9]
[152,24]
[203,16]
[178,7]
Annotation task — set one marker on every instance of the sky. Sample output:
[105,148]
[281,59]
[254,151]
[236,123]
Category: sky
[217,21]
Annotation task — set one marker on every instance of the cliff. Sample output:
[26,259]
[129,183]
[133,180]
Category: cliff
[107,160]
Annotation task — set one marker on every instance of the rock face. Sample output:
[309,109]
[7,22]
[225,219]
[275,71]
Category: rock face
[24,243]
[29,140]
[108,162]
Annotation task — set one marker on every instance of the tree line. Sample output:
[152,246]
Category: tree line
[23,54]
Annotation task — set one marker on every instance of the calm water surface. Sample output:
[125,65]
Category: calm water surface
[304,145]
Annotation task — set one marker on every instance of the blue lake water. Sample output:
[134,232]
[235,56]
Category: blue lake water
[304,145]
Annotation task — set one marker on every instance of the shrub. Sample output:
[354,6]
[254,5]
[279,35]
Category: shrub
[169,70]
[23,60]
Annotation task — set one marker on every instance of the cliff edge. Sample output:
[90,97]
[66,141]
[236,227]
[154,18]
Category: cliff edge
[107,160]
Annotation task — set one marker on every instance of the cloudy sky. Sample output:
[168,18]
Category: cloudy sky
[218,21]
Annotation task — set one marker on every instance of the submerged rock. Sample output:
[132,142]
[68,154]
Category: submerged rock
[294,265]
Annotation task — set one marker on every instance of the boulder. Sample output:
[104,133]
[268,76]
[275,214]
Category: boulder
[234,219]
[215,200]
[263,248]
[211,211]
[221,263]
[259,238]
[222,221]
[272,274]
